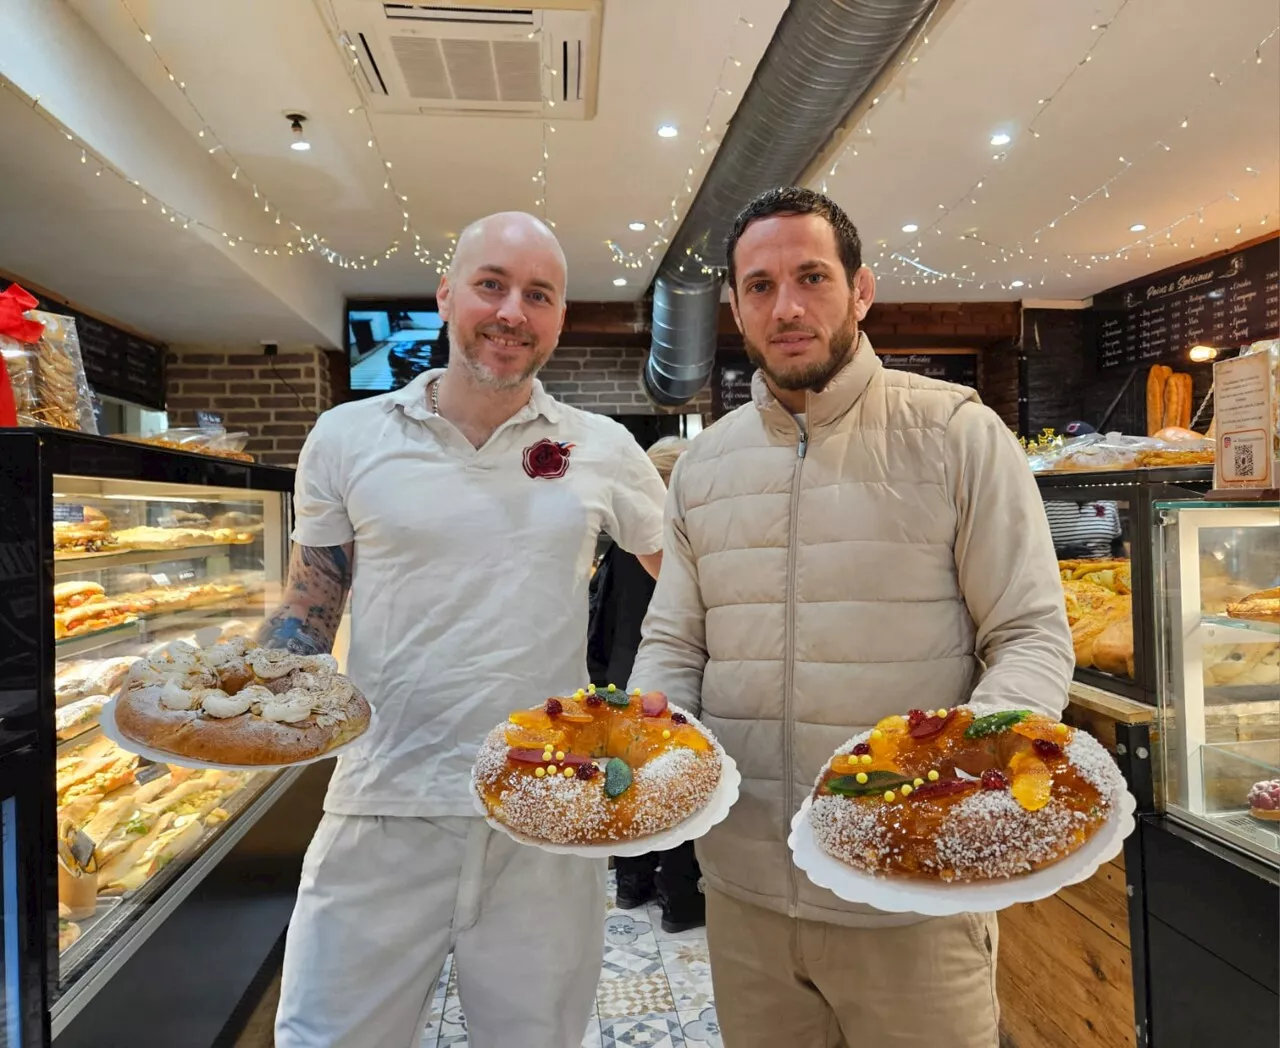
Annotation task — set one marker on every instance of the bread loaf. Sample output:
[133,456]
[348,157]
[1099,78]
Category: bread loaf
[1113,649]
[1156,379]
[1174,397]
[1188,400]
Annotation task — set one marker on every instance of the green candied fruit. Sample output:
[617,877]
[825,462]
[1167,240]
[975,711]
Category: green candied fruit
[877,782]
[617,777]
[616,696]
[994,723]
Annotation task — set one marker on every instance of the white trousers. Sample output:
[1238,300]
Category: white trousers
[382,901]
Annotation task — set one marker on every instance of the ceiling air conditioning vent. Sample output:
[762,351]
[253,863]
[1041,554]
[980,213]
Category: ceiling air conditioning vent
[475,59]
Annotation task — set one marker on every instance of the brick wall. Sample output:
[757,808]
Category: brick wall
[944,323]
[252,397]
[608,381]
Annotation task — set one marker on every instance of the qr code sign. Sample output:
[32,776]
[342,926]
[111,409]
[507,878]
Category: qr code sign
[1244,465]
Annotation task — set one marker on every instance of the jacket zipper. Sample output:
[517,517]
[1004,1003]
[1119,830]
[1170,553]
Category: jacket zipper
[789,659]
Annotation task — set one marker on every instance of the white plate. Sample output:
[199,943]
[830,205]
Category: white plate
[717,807]
[938,899]
[107,721]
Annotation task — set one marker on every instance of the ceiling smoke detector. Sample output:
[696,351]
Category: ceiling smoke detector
[299,143]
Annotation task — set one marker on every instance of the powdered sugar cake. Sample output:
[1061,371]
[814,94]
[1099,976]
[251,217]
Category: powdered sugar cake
[976,793]
[596,768]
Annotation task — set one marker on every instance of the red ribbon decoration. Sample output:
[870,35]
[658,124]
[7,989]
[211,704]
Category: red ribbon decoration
[14,302]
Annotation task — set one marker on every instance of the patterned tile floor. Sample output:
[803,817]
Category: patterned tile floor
[655,989]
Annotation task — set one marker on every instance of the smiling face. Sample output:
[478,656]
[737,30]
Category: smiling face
[504,299]
[794,303]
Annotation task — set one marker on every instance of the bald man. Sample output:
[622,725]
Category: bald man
[467,557]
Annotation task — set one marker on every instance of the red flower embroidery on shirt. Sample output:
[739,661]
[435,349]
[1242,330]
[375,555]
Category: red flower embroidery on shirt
[548,459]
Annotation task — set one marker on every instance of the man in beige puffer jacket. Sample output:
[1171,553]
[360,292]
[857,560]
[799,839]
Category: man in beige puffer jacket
[852,543]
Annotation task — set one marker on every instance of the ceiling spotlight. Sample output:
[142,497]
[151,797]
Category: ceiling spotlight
[1137,227]
[910,227]
[668,131]
[619,281]
[1000,139]
[1203,354]
[299,143]
[636,227]
[1017,283]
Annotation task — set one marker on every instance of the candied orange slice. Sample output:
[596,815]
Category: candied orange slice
[523,738]
[1036,727]
[574,712]
[691,738]
[536,718]
[1032,781]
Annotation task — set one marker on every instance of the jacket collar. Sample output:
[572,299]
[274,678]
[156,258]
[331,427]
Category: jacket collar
[412,400]
[833,403]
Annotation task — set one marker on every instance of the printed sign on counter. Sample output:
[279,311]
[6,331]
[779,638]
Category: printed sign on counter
[1244,423]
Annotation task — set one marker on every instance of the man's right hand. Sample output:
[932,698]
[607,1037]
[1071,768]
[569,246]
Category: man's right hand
[315,594]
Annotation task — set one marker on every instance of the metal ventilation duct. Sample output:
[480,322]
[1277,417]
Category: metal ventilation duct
[823,56]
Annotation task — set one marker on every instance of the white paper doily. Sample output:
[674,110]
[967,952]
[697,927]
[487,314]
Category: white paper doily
[717,807]
[107,721]
[937,899]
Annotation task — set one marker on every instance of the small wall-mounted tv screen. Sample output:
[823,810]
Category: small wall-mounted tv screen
[391,343]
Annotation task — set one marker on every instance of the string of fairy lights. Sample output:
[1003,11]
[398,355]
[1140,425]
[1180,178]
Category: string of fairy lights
[712,131]
[906,259]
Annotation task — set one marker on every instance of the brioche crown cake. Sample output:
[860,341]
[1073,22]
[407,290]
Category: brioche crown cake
[597,767]
[236,703]
[974,793]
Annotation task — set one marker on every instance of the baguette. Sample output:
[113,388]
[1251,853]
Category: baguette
[1188,397]
[1172,401]
[1156,379]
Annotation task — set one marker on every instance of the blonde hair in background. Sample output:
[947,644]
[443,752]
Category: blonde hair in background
[663,454]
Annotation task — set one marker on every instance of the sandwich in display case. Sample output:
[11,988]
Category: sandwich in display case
[114,551]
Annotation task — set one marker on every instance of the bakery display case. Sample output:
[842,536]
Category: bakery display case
[115,551]
[1100,523]
[1218,623]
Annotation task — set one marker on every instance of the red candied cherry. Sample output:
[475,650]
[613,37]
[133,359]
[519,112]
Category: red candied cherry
[861,748]
[554,707]
[679,718]
[1046,748]
[586,772]
[654,704]
[993,779]
[915,717]
[594,700]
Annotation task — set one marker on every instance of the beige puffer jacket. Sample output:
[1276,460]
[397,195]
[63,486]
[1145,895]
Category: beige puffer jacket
[810,588]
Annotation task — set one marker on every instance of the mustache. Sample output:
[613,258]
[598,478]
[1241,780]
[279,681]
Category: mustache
[793,329]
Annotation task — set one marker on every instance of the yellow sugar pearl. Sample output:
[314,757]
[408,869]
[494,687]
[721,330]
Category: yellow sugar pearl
[865,758]
[933,776]
[540,772]
[889,795]
[568,773]
[635,692]
[591,688]
[612,688]
[1060,729]
[861,776]
[942,712]
[876,733]
[579,694]
[919,782]
[559,755]
[552,769]
[906,790]
[666,734]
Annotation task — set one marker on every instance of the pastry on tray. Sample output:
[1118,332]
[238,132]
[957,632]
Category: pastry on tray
[235,703]
[1264,800]
[598,767]
[1263,606]
[975,793]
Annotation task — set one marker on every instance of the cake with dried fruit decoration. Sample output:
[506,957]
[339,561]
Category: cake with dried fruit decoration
[974,793]
[597,767]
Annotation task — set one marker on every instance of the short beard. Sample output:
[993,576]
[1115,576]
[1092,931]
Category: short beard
[466,353]
[816,376]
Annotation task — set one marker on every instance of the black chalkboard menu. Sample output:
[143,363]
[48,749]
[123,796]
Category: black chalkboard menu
[1225,302]
[960,368]
[116,363]
[730,383]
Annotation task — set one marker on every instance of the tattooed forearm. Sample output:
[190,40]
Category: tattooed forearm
[307,621]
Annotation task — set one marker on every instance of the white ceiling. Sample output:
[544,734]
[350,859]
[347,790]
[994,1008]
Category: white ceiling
[244,63]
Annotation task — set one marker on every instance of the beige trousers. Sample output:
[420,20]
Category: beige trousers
[808,984]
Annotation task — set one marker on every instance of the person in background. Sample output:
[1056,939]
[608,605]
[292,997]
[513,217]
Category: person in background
[851,543]
[461,512]
[1084,530]
[620,597]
